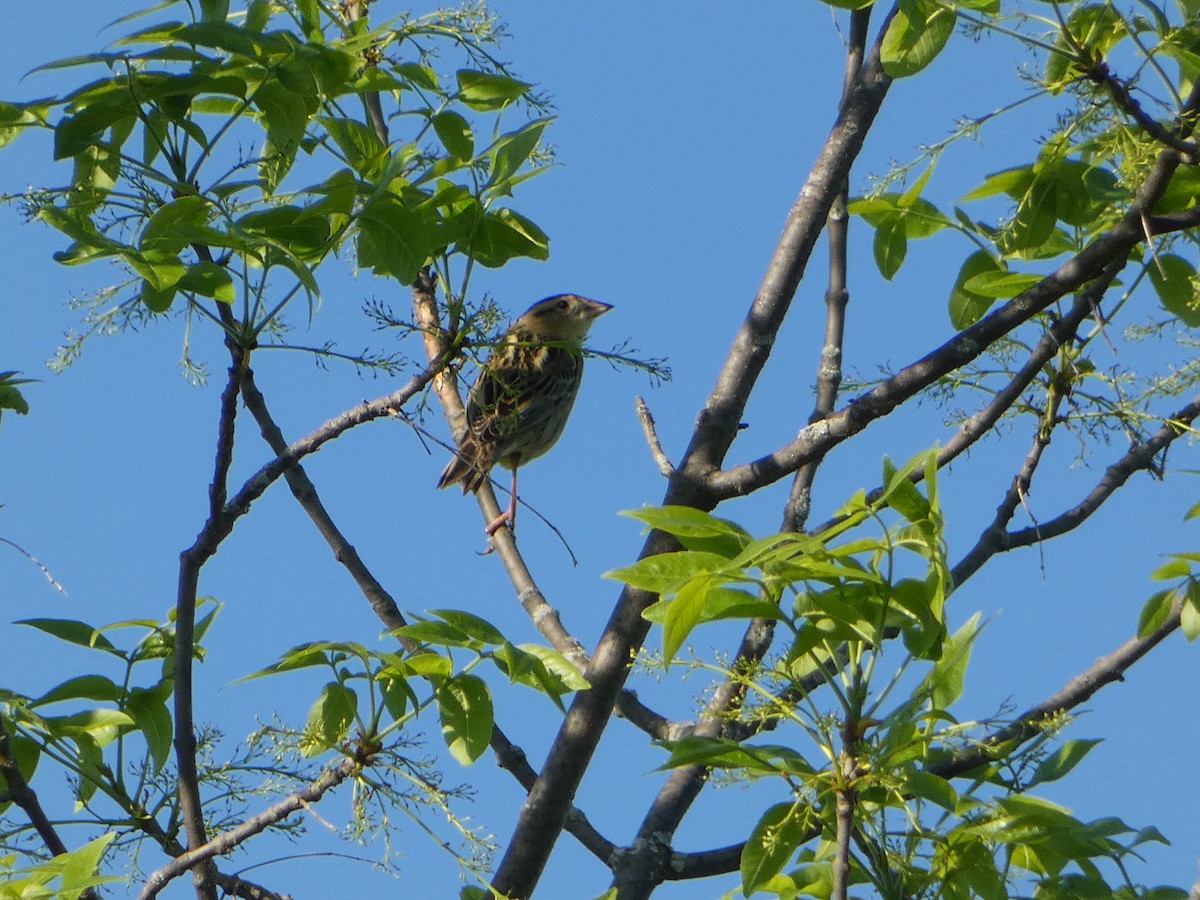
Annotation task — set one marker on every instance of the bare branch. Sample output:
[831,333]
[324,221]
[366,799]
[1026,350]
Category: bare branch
[513,760]
[355,10]
[305,492]
[1021,483]
[256,824]
[190,562]
[1106,670]
[818,438]
[1138,458]
[665,466]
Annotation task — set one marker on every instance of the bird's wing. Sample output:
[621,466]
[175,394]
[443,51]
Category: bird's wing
[519,388]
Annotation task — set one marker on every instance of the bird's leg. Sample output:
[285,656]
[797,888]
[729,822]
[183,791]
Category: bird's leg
[509,516]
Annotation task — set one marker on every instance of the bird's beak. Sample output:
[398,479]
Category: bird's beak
[593,309]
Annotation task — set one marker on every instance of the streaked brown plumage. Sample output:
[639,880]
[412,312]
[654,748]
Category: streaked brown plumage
[523,396]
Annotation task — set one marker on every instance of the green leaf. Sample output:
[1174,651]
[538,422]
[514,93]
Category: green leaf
[329,719]
[486,91]
[79,866]
[683,615]
[558,666]
[932,788]
[513,150]
[465,705]
[359,143]
[397,694]
[426,664]
[503,235]
[301,657]
[890,246]
[10,396]
[174,224]
[916,35]
[901,494]
[666,571]
[291,227]
[100,725]
[442,633]
[696,530]
[725,753]
[455,133]
[16,117]
[84,687]
[310,18]
[524,667]
[775,837]
[721,603]
[392,240]
[161,269]
[75,133]
[1068,756]
[1014,182]
[73,632]
[999,283]
[209,280]
[1172,569]
[285,114]
[1155,612]
[1083,192]
[471,625]
[1035,220]
[258,14]
[1174,280]
[153,720]
[966,306]
[214,10]
[1189,617]
[945,681]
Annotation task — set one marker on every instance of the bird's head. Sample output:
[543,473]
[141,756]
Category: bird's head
[566,317]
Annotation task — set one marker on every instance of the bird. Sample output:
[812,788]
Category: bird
[521,400]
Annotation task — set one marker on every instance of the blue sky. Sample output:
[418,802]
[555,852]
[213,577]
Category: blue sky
[683,135]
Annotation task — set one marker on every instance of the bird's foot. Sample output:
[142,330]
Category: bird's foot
[504,520]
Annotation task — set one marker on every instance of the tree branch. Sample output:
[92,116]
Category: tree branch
[545,810]
[665,466]
[190,561]
[256,824]
[818,438]
[1138,457]
[1106,670]
[305,492]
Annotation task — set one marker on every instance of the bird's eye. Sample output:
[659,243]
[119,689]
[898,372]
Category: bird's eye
[562,304]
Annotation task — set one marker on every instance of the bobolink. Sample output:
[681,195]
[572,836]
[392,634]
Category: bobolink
[523,396]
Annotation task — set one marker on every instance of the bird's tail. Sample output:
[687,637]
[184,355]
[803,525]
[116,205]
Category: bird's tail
[468,468]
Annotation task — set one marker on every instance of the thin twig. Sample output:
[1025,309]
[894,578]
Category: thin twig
[33,559]
[665,466]
[228,840]
[1138,458]
[305,492]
